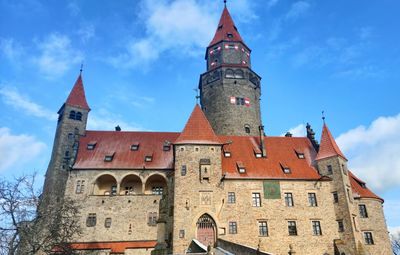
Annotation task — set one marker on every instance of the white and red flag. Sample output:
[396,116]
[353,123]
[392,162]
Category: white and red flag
[233,100]
[247,101]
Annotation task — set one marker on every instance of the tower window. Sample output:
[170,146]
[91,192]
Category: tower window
[157,190]
[329,168]
[72,115]
[152,219]
[340,226]
[229,74]
[289,199]
[231,198]
[183,170]
[335,197]
[80,186]
[363,211]
[239,74]
[107,223]
[312,199]
[256,200]
[247,129]
[78,116]
[91,220]
[230,35]
[368,238]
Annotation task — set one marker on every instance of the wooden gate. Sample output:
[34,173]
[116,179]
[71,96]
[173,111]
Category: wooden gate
[206,230]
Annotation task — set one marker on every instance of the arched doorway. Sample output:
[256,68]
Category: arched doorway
[206,230]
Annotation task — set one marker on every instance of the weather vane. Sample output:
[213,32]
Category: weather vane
[197,95]
[225,2]
[323,116]
[81,68]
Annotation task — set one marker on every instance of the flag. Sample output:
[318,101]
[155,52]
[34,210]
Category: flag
[272,189]
[233,100]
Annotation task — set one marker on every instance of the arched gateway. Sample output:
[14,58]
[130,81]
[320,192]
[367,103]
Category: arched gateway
[206,230]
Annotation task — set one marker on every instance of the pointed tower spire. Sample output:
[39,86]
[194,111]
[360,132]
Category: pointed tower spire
[77,96]
[197,130]
[226,30]
[328,147]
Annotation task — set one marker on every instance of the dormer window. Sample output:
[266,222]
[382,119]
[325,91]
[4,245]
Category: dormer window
[240,166]
[91,145]
[109,157]
[135,146]
[167,146]
[286,169]
[257,152]
[300,155]
[229,35]
[148,158]
[227,153]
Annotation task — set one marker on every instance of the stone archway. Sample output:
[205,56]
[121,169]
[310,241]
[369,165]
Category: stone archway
[206,230]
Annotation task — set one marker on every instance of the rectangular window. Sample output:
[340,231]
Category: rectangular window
[91,220]
[292,228]
[312,199]
[183,170]
[80,186]
[262,228]
[340,226]
[368,238]
[363,211]
[256,197]
[289,199]
[157,190]
[335,197]
[231,198]
[329,169]
[181,233]
[316,226]
[107,223]
[232,227]
[152,219]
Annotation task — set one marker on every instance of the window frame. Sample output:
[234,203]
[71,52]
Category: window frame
[312,199]
[289,201]
[231,198]
[316,227]
[340,226]
[292,228]
[107,222]
[91,220]
[256,199]
[335,197]
[368,238]
[263,228]
[232,227]
[362,208]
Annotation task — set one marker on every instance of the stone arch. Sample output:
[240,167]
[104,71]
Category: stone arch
[206,230]
[239,74]
[131,184]
[156,184]
[72,115]
[105,185]
[229,73]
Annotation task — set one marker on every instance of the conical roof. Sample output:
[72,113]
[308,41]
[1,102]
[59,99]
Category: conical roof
[328,147]
[197,130]
[77,96]
[226,30]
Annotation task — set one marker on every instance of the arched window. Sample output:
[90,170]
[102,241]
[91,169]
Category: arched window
[239,74]
[78,116]
[247,129]
[72,115]
[229,73]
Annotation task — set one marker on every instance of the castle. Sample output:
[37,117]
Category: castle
[219,183]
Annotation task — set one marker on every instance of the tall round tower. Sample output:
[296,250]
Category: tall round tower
[229,90]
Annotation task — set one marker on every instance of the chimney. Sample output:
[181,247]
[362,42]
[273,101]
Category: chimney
[118,128]
[288,134]
[262,144]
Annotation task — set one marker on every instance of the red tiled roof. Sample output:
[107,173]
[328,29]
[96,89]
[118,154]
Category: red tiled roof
[115,247]
[119,143]
[279,150]
[77,95]
[197,130]
[226,26]
[328,147]
[359,190]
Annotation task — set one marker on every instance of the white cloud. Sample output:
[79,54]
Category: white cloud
[17,150]
[395,232]
[10,49]
[104,120]
[12,97]
[297,9]
[56,55]
[373,152]
[86,32]
[73,8]
[186,26]
[298,131]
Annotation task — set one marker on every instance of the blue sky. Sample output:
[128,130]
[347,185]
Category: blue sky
[142,61]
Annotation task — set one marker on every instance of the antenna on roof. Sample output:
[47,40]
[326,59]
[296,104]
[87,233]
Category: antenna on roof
[197,95]
[323,116]
[80,70]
